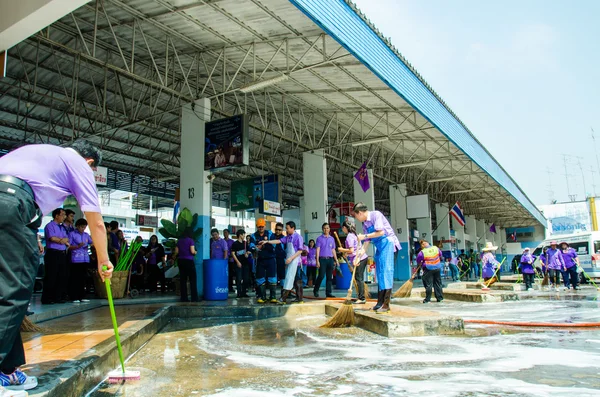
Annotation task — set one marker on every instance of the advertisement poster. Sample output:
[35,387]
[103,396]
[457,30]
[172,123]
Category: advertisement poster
[248,194]
[226,143]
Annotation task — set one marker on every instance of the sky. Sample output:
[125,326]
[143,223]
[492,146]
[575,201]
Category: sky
[523,76]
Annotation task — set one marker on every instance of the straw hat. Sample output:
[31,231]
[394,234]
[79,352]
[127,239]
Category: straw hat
[489,247]
[563,242]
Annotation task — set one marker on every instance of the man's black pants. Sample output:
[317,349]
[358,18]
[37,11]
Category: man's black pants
[325,270]
[19,262]
[433,278]
[242,278]
[187,272]
[55,265]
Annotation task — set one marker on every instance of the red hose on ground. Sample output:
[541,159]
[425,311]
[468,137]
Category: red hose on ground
[528,324]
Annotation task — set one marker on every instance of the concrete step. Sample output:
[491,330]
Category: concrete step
[499,286]
[404,321]
[471,295]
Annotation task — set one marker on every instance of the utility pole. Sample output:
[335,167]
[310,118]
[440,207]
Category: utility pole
[571,197]
[585,194]
[593,179]
[595,148]
[549,186]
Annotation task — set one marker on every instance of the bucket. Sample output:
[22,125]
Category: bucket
[216,279]
[118,285]
[342,281]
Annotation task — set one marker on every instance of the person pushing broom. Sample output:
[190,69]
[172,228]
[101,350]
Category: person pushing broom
[379,231]
[34,180]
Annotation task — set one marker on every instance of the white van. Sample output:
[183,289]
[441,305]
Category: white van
[587,245]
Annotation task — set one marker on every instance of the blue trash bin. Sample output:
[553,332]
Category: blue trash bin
[216,279]
[343,280]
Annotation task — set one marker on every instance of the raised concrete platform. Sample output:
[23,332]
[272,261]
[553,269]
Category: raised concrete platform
[499,286]
[470,295]
[404,321]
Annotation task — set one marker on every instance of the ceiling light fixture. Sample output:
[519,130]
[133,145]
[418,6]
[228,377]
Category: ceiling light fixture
[444,179]
[461,191]
[260,84]
[413,164]
[370,141]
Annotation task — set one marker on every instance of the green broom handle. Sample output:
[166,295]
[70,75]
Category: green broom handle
[114,319]
[496,272]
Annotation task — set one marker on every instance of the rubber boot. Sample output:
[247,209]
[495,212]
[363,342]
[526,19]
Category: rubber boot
[380,296]
[385,308]
[273,293]
[284,295]
[299,292]
[261,293]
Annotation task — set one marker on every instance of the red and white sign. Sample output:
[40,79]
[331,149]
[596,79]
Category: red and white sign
[338,213]
[101,175]
[146,220]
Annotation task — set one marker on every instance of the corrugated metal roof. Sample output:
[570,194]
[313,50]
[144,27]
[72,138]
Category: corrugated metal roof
[341,22]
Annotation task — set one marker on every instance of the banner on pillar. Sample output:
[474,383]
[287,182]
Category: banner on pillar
[101,175]
[362,176]
[248,194]
[417,207]
[226,143]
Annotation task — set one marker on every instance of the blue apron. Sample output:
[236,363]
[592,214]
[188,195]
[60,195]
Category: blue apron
[384,260]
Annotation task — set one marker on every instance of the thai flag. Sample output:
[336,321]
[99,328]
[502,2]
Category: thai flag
[457,213]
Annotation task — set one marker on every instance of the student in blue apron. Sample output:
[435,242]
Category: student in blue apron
[378,230]
[294,245]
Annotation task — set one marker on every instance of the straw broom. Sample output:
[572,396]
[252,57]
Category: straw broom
[366,286]
[344,317]
[28,326]
[406,289]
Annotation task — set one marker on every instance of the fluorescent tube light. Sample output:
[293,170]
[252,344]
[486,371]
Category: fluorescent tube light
[370,141]
[444,179]
[259,85]
[413,164]
[461,191]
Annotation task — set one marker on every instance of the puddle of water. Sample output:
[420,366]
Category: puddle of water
[293,357]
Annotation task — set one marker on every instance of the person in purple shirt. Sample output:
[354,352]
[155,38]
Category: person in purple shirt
[55,260]
[232,265]
[326,257]
[184,252]
[556,264]
[218,246]
[34,180]
[114,239]
[79,242]
[294,246]
[527,269]
[311,263]
[351,249]
[571,260]
[155,253]
[379,231]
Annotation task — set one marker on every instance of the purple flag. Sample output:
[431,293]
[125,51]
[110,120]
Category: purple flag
[362,176]
[493,228]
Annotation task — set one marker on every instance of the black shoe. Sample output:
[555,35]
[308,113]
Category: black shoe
[330,296]
[425,301]
[440,300]
[29,313]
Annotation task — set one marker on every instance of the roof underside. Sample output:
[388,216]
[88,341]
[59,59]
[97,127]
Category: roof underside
[118,73]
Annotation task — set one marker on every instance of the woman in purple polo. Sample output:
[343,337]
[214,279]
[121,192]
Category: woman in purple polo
[527,269]
[556,263]
[571,260]
[79,242]
[311,263]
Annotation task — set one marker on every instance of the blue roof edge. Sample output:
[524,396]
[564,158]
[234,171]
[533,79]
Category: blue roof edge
[342,21]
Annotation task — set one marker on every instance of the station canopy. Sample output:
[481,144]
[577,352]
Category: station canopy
[309,74]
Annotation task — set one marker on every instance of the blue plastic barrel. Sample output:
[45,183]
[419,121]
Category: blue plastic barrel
[342,281]
[216,279]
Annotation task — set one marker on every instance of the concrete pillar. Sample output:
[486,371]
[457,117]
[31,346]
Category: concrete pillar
[424,228]
[471,230]
[195,188]
[443,226]
[20,19]
[399,222]
[480,234]
[489,236]
[315,192]
[459,233]
[368,198]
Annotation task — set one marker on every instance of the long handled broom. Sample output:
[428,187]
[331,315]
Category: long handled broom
[344,317]
[405,290]
[117,376]
[366,286]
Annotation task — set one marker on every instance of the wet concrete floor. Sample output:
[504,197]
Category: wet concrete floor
[294,357]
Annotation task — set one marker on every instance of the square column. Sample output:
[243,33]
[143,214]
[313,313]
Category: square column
[471,231]
[489,236]
[443,227]
[315,192]
[424,228]
[196,188]
[459,232]
[480,235]
[399,221]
